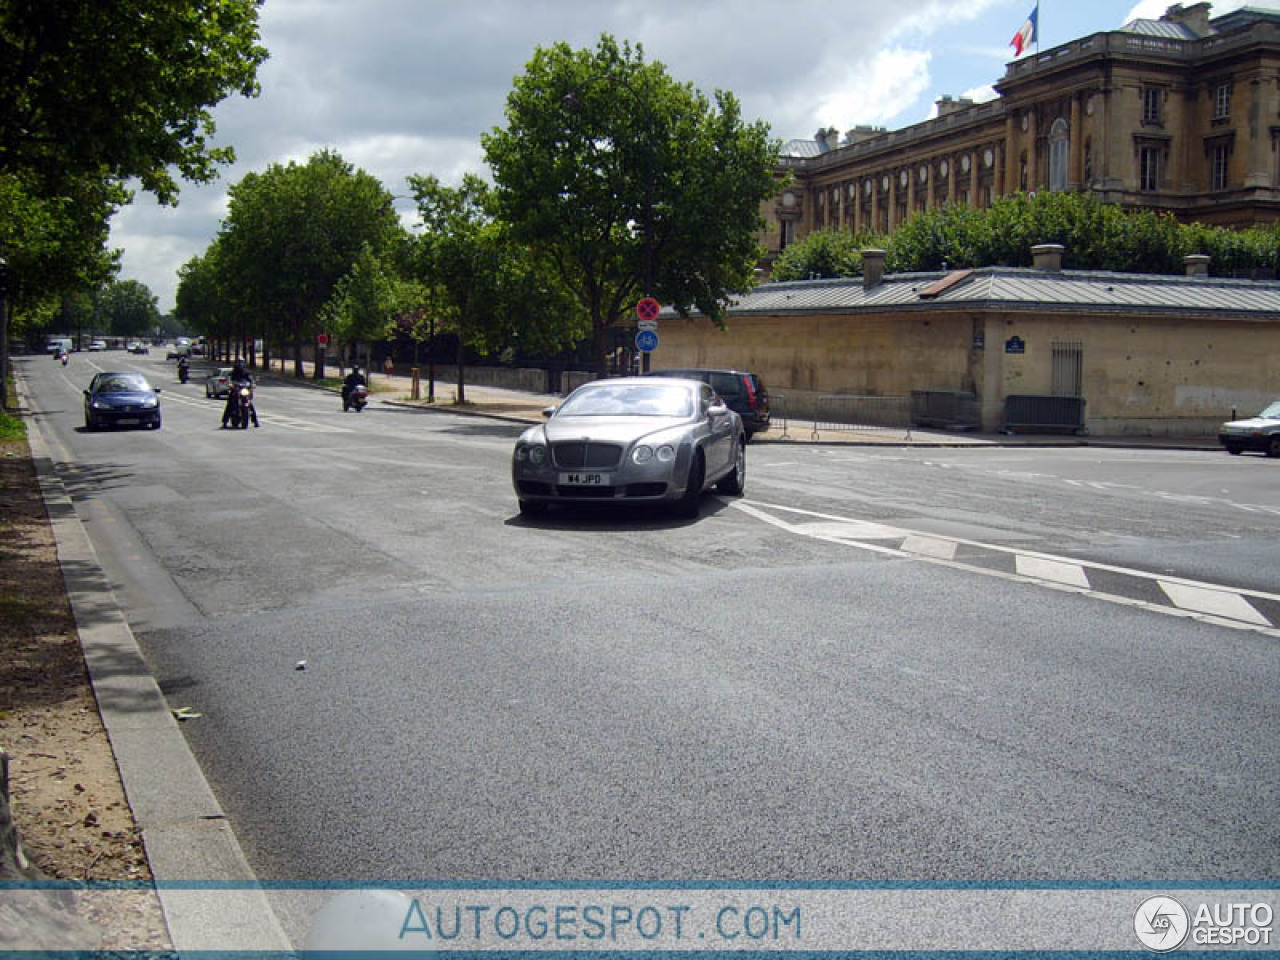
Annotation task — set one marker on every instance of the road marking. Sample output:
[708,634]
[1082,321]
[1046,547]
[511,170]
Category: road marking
[1206,602]
[930,547]
[1215,601]
[1059,571]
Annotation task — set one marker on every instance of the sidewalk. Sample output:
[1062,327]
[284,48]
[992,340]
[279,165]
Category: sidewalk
[522,407]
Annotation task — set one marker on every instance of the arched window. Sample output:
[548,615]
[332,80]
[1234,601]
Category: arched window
[1059,153]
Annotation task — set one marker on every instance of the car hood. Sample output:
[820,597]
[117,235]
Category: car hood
[1253,423]
[620,430]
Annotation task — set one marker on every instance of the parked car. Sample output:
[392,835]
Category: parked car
[1260,433]
[97,346]
[631,440]
[218,383]
[743,392]
[122,399]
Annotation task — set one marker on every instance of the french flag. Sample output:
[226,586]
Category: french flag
[1026,35]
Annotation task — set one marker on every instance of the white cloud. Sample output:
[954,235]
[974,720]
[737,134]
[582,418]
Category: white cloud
[877,91]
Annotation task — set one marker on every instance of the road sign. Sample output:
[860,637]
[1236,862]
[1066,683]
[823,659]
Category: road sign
[322,339]
[647,325]
[647,341]
[648,309]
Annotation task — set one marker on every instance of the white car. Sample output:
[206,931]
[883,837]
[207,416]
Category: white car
[1261,433]
[97,346]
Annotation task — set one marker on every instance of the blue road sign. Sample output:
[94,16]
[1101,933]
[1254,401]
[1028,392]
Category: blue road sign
[647,341]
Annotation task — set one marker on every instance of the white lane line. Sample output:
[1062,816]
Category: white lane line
[1218,603]
[1038,568]
[930,547]
[1222,613]
[850,530]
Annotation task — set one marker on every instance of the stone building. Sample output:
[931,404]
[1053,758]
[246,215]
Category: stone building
[1180,114]
[1141,354]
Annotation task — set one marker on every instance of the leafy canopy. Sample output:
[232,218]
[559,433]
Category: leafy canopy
[627,182]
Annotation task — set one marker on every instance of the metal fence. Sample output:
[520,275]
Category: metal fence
[951,409]
[863,415]
[1025,411]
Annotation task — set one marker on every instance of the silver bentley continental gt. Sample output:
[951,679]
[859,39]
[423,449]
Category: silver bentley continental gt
[632,440]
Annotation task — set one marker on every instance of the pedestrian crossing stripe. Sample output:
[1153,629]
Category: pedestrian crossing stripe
[1208,602]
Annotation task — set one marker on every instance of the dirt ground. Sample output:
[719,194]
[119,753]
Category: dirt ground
[68,803]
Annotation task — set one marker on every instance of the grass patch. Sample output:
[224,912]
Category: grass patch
[11,427]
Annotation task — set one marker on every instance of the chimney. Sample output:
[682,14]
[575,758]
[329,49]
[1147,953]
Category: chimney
[948,104]
[1197,264]
[1195,17]
[872,268]
[1047,256]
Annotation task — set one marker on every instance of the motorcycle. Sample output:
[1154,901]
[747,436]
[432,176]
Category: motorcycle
[357,396]
[64,357]
[184,370]
[244,409]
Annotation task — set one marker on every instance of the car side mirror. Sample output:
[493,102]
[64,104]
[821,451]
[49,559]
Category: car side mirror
[157,389]
[717,408]
[548,411]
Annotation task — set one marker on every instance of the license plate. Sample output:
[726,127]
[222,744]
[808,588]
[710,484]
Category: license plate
[584,480]
[126,421]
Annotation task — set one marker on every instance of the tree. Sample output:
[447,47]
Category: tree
[627,182]
[823,254]
[91,95]
[292,232]
[483,285]
[129,308]
[368,300]
[121,90]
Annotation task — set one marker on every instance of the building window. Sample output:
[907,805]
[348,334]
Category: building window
[1222,101]
[1149,169]
[1152,98]
[1067,370]
[1059,150]
[1088,161]
[1022,171]
[787,234]
[1221,153]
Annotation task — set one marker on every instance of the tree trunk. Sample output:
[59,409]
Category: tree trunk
[462,387]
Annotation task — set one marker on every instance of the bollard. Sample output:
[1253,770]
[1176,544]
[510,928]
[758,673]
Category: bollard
[415,392]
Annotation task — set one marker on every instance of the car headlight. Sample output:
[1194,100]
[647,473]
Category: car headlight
[666,453]
[150,403]
[535,453]
[642,454]
[99,405]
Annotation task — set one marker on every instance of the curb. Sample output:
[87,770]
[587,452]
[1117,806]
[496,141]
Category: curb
[185,833]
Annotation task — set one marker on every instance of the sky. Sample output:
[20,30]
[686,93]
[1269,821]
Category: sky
[401,87]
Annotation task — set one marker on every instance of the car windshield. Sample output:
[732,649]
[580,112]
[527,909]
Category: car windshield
[629,400]
[1272,412]
[122,383]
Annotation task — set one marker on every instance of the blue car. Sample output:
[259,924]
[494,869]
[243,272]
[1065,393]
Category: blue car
[121,400]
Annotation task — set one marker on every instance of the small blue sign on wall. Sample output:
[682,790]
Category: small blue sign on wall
[1015,345]
[647,340]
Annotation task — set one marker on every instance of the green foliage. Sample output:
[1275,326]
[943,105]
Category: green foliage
[291,234]
[824,254]
[367,301]
[1095,235]
[481,284]
[625,182]
[129,309]
[121,90]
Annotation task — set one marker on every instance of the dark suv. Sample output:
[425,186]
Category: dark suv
[742,392]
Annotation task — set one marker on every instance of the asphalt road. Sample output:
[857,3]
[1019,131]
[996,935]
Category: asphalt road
[879,664]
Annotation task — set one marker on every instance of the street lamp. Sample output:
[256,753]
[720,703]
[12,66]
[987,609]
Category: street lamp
[570,102]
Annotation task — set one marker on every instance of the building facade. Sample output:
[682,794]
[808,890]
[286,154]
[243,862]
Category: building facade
[1180,114]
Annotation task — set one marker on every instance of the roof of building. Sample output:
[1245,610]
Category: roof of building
[1165,29]
[1014,289]
[800,148]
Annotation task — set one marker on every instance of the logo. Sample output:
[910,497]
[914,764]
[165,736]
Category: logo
[1161,924]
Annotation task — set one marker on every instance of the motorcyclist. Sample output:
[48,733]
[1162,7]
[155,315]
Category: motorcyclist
[352,380]
[63,356]
[184,368]
[239,376]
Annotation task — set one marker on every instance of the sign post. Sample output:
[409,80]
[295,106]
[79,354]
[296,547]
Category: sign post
[647,338]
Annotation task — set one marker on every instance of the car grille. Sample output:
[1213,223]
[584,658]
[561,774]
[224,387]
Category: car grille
[583,455]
